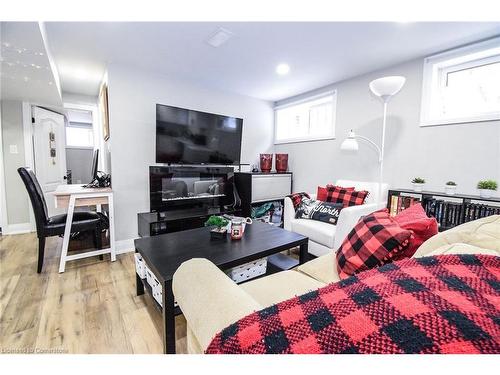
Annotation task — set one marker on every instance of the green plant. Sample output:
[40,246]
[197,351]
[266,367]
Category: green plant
[418,180]
[451,183]
[487,185]
[216,221]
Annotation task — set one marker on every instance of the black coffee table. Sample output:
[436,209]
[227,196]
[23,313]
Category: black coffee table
[164,254]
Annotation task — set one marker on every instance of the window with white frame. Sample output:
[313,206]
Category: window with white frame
[462,85]
[309,119]
[79,135]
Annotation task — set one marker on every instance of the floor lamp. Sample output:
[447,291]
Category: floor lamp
[385,88]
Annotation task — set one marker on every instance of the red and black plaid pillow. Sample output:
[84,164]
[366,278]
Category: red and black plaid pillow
[374,241]
[337,194]
[322,193]
[297,198]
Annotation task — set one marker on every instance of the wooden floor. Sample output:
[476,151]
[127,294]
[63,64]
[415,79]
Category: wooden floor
[90,308]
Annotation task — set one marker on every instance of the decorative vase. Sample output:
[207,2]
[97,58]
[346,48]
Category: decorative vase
[418,186]
[236,229]
[266,162]
[281,163]
[450,189]
[485,193]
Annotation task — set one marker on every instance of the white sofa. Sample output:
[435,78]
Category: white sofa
[324,237]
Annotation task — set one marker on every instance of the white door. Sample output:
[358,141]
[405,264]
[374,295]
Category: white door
[49,153]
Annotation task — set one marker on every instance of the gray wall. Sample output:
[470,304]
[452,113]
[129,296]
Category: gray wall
[12,134]
[133,95]
[79,160]
[464,153]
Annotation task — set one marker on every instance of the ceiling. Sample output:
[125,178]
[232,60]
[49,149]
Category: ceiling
[318,53]
[26,72]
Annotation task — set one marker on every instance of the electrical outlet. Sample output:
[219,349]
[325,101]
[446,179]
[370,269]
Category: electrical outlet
[13,149]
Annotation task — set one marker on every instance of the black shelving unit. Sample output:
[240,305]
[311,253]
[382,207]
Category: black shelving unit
[463,207]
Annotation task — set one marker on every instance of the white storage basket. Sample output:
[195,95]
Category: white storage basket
[150,277]
[158,294]
[248,271]
[140,266]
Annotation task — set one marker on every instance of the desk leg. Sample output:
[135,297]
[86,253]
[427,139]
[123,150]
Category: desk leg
[112,227]
[67,233]
[168,319]
[303,252]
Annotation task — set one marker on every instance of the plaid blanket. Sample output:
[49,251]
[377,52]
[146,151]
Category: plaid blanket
[441,304]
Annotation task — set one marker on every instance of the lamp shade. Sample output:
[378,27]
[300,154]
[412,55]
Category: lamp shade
[386,87]
[350,143]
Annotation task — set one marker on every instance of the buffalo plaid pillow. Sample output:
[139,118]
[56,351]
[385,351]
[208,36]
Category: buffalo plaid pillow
[322,192]
[374,241]
[337,194]
[297,198]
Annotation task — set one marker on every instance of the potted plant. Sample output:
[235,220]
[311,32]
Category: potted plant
[418,183]
[450,187]
[486,188]
[220,226]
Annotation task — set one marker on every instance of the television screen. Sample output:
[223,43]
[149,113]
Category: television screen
[184,136]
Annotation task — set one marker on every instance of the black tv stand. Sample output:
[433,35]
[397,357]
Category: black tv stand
[155,223]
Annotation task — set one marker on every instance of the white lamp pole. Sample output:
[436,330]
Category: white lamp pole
[385,88]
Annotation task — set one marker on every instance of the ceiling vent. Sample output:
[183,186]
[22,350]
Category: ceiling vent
[220,37]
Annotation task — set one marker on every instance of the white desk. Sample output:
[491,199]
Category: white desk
[72,196]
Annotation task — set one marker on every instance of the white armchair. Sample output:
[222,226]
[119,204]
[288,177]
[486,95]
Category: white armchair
[324,237]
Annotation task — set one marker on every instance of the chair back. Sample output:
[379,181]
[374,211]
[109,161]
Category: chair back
[375,196]
[36,196]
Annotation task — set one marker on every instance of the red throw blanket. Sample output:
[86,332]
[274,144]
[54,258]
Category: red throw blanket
[441,304]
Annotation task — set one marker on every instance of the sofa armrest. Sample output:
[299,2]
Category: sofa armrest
[288,214]
[209,299]
[348,218]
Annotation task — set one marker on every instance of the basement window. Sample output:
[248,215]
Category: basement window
[462,85]
[79,135]
[309,119]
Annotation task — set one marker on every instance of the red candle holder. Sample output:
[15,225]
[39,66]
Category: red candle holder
[266,162]
[281,163]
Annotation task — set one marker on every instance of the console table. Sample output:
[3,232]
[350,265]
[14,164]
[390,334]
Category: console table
[163,254]
[72,196]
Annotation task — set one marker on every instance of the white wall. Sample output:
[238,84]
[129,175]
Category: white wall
[17,199]
[133,95]
[464,153]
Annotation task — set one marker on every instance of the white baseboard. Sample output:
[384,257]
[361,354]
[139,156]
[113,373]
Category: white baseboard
[125,246]
[20,228]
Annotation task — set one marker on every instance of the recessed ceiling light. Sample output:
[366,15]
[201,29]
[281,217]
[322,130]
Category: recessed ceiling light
[283,69]
[26,79]
[220,37]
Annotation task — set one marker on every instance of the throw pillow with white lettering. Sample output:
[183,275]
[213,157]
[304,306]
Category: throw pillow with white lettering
[318,210]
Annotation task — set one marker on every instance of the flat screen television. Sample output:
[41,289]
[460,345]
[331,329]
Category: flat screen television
[184,136]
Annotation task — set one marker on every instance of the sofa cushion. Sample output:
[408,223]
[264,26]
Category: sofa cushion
[322,193]
[374,241]
[325,212]
[322,233]
[297,198]
[280,286]
[461,248]
[423,227]
[484,233]
[336,194]
[321,268]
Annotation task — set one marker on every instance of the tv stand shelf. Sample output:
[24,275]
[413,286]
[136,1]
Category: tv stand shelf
[155,223]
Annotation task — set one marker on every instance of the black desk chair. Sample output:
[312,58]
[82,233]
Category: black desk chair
[54,226]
